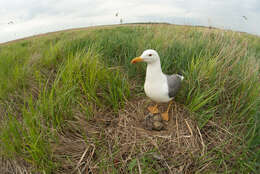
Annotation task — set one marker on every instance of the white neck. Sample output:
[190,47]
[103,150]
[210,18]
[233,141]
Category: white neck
[153,71]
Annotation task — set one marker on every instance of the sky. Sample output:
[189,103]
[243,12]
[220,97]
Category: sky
[22,18]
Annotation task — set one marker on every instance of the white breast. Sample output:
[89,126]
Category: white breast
[156,88]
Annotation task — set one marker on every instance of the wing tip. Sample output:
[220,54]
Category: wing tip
[181,77]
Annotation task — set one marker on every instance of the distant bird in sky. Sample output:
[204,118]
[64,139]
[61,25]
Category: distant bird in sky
[245,17]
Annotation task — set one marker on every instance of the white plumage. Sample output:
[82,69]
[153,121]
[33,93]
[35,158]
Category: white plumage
[155,85]
[158,86]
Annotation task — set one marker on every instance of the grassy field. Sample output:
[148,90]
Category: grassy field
[71,102]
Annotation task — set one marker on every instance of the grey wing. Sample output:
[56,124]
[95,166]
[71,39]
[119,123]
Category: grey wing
[174,84]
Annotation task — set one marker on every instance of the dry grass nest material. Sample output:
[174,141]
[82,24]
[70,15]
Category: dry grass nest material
[112,141]
[121,138]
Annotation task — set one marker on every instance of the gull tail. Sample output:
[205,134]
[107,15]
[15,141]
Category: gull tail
[180,76]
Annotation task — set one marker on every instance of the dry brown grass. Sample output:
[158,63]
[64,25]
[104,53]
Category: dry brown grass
[122,138]
[118,139]
[13,167]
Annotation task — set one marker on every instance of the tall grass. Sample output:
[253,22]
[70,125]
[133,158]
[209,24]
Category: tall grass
[60,82]
[44,82]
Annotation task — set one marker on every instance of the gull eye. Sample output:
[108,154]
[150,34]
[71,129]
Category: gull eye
[150,55]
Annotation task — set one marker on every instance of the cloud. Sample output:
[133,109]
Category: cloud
[33,17]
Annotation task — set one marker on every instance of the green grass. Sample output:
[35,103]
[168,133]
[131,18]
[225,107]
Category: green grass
[46,81]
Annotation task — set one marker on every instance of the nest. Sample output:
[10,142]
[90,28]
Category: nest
[118,139]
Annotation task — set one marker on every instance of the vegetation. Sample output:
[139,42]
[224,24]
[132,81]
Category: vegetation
[72,102]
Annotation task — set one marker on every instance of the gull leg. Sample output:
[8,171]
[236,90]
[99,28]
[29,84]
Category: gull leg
[153,109]
[165,115]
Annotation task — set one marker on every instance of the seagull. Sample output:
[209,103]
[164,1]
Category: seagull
[158,86]
[245,17]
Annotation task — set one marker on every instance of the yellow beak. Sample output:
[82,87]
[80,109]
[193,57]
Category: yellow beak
[137,59]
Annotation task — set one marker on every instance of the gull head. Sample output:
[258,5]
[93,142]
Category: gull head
[149,56]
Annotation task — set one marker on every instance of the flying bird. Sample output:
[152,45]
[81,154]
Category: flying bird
[245,17]
[158,86]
